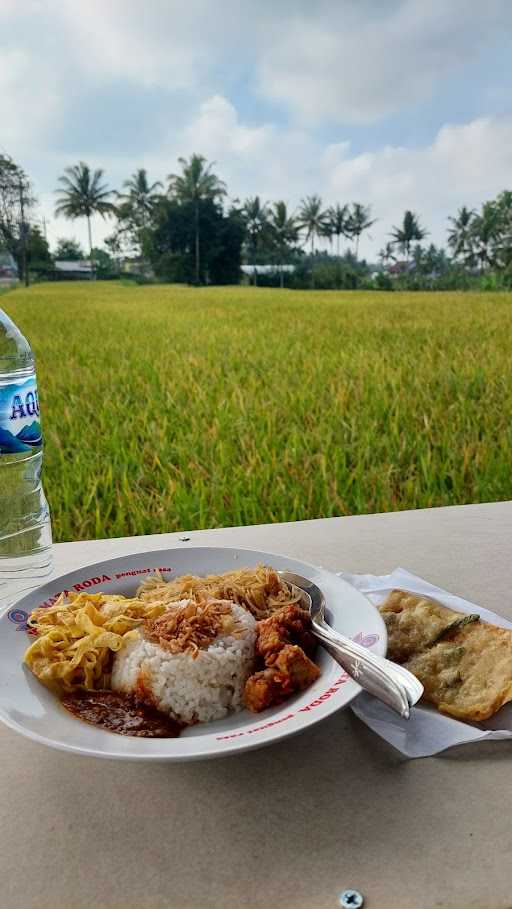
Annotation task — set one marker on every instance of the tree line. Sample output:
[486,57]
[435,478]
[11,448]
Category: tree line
[188,231]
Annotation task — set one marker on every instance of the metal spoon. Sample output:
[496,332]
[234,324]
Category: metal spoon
[387,681]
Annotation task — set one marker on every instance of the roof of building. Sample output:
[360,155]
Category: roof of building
[266,269]
[78,265]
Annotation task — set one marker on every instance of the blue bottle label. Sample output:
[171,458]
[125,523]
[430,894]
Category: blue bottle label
[20,427]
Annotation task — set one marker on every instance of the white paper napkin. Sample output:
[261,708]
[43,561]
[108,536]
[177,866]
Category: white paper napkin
[426,732]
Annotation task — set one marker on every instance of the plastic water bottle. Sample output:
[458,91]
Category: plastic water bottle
[25,529]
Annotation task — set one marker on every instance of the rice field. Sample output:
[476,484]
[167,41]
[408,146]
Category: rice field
[168,407]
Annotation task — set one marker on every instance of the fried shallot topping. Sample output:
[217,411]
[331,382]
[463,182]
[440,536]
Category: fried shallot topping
[192,627]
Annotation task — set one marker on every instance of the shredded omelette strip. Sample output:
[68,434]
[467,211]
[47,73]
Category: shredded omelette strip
[78,637]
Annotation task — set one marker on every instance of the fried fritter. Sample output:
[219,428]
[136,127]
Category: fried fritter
[415,623]
[464,664]
[469,675]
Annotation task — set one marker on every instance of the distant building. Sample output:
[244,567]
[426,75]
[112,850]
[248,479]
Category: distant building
[267,269]
[399,268]
[8,270]
[136,266]
[69,270]
[132,266]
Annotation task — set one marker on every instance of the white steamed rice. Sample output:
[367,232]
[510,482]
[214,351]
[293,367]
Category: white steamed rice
[198,689]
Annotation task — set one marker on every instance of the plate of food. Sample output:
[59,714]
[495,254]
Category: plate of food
[179,654]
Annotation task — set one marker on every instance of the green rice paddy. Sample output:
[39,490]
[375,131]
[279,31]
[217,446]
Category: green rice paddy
[168,408]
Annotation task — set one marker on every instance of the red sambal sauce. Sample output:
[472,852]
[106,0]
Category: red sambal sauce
[121,713]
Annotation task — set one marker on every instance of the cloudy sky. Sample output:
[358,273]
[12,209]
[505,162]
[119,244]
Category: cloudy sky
[393,103]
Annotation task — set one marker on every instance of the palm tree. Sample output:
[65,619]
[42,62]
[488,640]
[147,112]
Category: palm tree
[312,219]
[337,219]
[140,195]
[256,217]
[405,235]
[137,204]
[286,231]
[386,254]
[502,247]
[358,221]
[327,232]
[460,235]
[194,185]
[82,195]
[484,233]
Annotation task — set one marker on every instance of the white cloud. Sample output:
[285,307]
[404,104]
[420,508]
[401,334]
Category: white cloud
[331,61]
[125,85]
[28,107]
[266,159]
[151,44]
[337,61]
[357,63]
[217,131]
[464,165]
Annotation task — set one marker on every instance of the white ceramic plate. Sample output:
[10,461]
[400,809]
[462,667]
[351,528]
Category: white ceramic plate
[28,707]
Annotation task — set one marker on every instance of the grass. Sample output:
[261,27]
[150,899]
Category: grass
[167,408]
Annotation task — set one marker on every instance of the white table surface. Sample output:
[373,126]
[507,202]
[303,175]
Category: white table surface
[291,825]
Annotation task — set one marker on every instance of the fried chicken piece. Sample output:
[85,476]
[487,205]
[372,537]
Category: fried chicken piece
[263,689]
[284,641]
[291,670]
[295,667]
[289,625]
